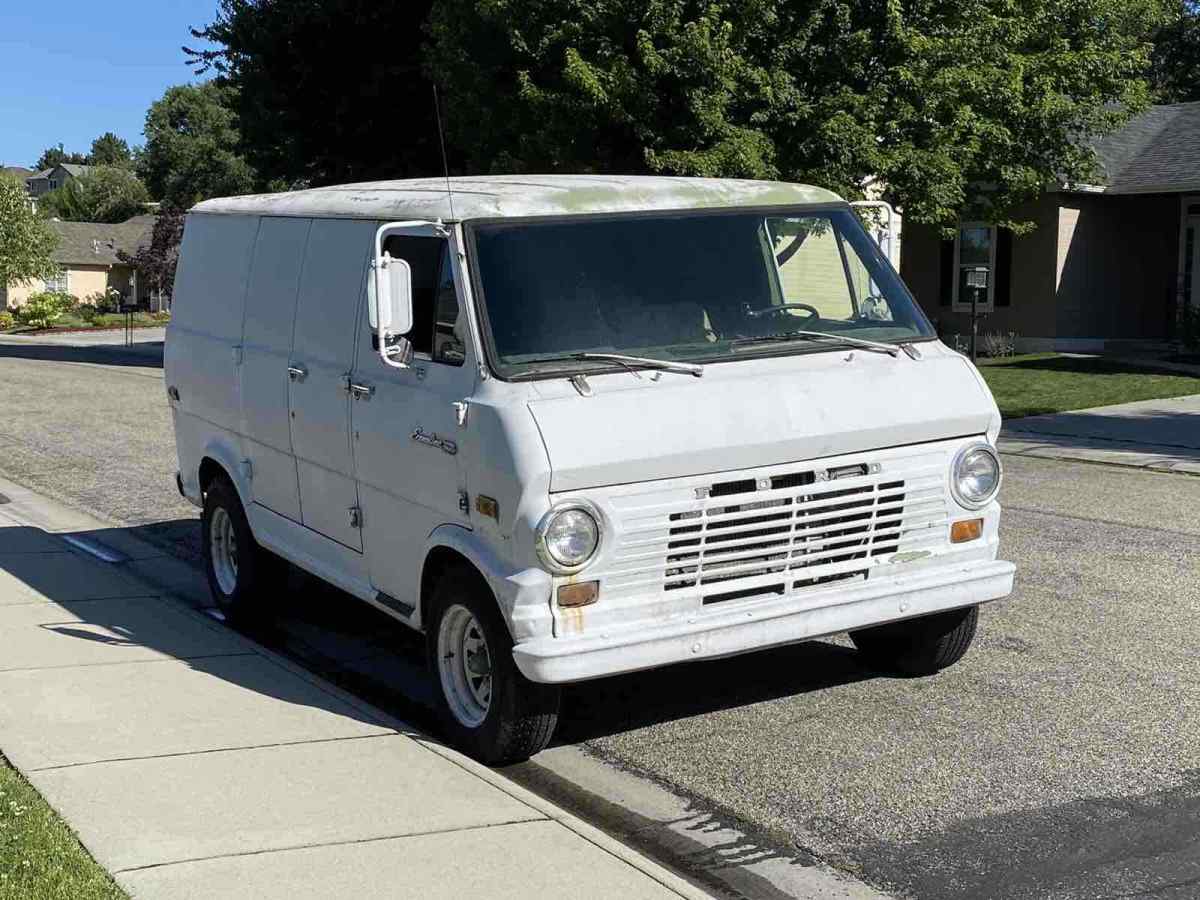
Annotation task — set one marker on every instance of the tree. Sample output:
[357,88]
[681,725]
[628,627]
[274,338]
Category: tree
[56,156]
[1175,63]
[191,150]
[156,261]
[102,194]
[26,240]
[963,108]
[110,150]
[327,92]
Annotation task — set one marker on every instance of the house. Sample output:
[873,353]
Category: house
[1108,265]
[44,182]
[87,255]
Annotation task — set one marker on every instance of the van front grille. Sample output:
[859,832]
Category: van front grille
[783,532]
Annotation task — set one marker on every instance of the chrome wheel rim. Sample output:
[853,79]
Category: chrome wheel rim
[224,551]
[465,666]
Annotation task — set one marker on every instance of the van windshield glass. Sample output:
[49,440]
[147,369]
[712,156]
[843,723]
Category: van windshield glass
[695,287]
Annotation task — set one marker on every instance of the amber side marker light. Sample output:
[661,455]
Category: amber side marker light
[966,530]
[582,593]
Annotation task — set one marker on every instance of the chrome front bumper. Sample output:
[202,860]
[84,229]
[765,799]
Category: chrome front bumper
[743,627]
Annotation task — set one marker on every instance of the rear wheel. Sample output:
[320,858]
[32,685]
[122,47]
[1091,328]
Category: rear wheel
[489,710]
[242,575]
[920,646]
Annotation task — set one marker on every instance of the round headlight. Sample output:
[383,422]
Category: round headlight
[976,476]
[567,538]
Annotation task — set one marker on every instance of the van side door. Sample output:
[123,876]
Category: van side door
[270,315]
[406,432]
[329,304]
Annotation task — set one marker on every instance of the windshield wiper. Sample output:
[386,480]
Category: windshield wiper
[845,340]
[644,362]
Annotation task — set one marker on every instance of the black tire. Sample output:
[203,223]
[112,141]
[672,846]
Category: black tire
[521,715]
[260,573]
[920,646]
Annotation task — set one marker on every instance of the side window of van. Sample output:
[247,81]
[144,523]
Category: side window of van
[436,326]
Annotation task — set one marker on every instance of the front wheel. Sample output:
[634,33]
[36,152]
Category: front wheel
[489,710]
[921,646]
[242,575]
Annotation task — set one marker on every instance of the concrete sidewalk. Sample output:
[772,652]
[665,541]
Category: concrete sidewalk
[1162,435]
[193,763]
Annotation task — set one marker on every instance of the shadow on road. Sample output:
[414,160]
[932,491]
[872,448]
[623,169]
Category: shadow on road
[148,354]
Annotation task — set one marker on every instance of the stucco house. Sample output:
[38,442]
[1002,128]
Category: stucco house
[44,182]
[1109,264]
[87,255]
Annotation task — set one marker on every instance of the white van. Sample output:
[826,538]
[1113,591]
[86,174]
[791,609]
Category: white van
[591,425]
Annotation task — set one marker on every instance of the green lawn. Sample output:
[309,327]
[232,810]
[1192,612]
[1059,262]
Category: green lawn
[1048,383]
[40,858]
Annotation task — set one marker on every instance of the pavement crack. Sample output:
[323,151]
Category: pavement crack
[317,844]
[121,759]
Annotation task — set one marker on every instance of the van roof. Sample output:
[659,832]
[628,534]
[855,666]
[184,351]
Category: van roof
[518,195]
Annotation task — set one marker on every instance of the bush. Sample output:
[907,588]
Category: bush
[997,344]
[87,313]
[62,300]
[40,311]
[6,320]
[1189,326]
[105,301]
[161,316]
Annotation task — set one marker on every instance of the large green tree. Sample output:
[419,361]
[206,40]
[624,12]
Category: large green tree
[102,194]
[192,142]
[962,108]
[329,91]
[56,156]
[110,150]
[26,240]
[1175,65]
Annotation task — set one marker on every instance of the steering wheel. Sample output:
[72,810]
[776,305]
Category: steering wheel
[770,310]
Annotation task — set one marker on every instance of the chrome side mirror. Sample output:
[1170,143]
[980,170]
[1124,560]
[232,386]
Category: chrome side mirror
[389,309]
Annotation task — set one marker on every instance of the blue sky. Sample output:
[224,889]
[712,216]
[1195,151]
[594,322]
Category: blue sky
[73,70]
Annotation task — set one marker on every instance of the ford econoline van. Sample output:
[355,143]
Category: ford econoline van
[575,426]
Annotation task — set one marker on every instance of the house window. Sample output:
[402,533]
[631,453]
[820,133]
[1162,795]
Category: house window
[974,270]
[59,284]
[53,183]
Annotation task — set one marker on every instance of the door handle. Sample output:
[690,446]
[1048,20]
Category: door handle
[361,391]
[297,373]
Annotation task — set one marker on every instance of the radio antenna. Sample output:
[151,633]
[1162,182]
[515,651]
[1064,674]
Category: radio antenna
[437,110]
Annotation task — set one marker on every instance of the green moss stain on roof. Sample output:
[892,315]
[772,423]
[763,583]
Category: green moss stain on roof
[520,195]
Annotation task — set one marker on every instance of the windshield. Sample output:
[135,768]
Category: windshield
[695,287]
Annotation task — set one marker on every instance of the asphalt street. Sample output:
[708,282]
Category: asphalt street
[1060,759]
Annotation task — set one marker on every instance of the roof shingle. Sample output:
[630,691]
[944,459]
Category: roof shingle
[1155,152]
[96,243]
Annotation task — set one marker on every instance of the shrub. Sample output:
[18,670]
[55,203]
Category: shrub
[163,315]
[6,320]
[997,344]
[39,311]
[87,313]
[104,301]
[1189,326]
[62,300]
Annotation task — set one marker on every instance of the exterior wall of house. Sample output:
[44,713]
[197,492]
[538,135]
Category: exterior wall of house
[1030,308]
[81,281]
[1096,268]
[1116,266]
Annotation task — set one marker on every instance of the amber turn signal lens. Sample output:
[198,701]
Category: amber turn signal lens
[966,530]
[580,594]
